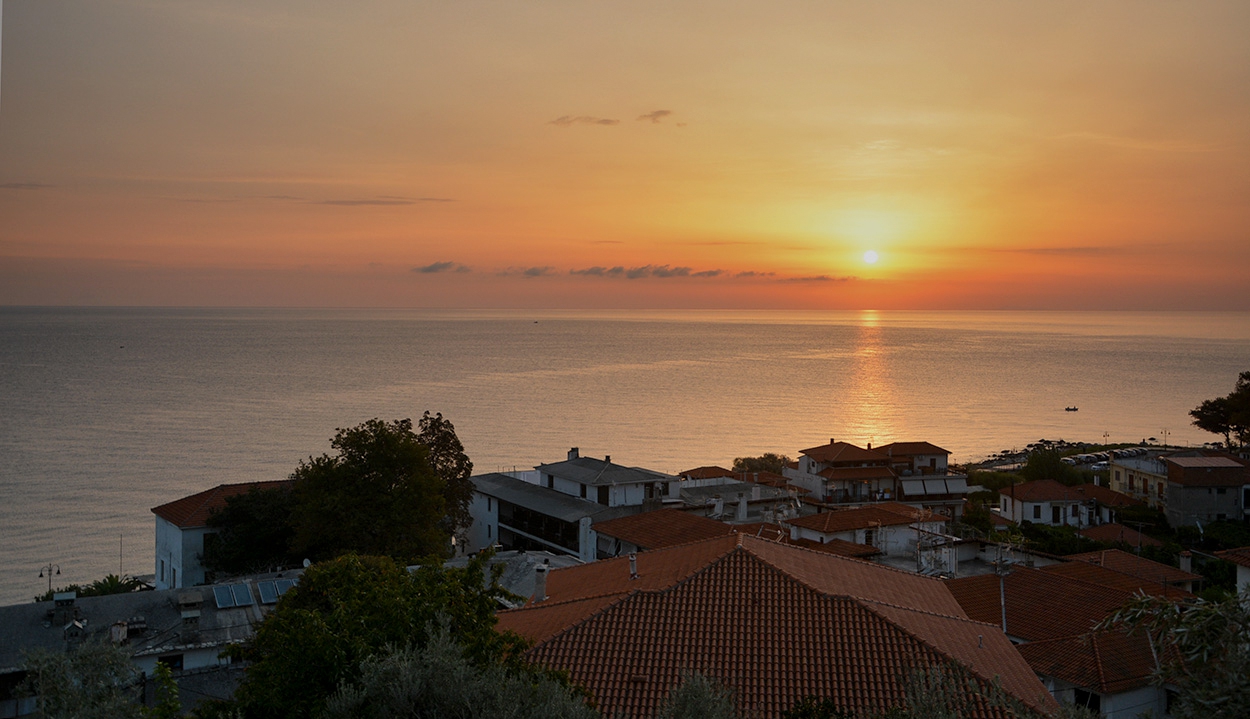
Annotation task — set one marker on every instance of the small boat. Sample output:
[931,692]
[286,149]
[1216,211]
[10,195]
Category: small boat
[1070,409]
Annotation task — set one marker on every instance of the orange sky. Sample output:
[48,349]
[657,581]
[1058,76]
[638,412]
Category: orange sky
[1066,155]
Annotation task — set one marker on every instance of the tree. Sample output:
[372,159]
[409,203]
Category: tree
[377,496]
[698,696]
[166,704]
[348,609]
[1047,464]
[449,462]
[1203,648]
[439,680]
[95,680]
[254,532]
[767,462]
[110,584]
[1228,415]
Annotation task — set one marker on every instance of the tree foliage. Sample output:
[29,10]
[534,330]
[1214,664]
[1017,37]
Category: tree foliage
[377,496]
[452,465]
[1048,464]
[440,680]
[94,680]
[254,532]
[110,584]
[1203,647]
[698,696]
[1228,415]
[767,462]
[345,610]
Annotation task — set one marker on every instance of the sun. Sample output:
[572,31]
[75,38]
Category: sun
[871,257]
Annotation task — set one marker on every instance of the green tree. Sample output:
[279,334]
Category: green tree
[94,680]
[110,584]
[1048,464]
[698,696]
[1203,647]
[767,462]
[167,705]
[439,680]
[452,465]
[1229,415]
[348,609]
[254,532]
[378,495]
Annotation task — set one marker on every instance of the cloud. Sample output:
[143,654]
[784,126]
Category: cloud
[567,120]
[643,271]
[599,271]
[24,186]
[819,278]
[753,273]
[437,267]
[382,201]
[536,271]
[664,271]
[708,273]
[655,116]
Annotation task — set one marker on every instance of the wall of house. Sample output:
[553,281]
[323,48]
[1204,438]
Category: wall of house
[484,531]
[192,658]
[588,540]
[178,553]
[1135,703]
[1187,505]
[1243,578]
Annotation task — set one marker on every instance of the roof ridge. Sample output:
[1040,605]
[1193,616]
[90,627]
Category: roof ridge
[563,602]
[838,557]
[928,612]
[620,599]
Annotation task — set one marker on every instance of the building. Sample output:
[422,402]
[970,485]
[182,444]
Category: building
[1205,487]
[1114,533]
[775,622]
[185,629]
[915,473]
[182,531]
[608,484]
[655,530]
[1048,502]
[1240,557]
[893,528]
[1144,478]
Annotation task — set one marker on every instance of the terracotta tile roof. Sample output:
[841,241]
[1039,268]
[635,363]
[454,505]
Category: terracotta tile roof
[854,473]
[1040,605]
[1096,574]
[1042,490]
[885,514]
[772,479]
[840,547]
[711,472]
[775,622]
[1113,532]
[909,449]
[193,511]
[1133,565]
[1106,496]
[662,528]
[1239,556]
[843,452]
[1104,662]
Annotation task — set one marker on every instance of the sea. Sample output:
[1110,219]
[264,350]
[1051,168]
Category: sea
[108,412]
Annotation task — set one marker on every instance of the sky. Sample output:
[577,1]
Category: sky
[600,154]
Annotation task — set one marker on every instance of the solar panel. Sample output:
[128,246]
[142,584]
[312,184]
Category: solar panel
[223,596]
[242,595]
[268,592]
[284,585]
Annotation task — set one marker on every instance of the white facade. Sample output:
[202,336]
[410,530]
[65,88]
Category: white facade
[1053,513]
[897,540]
[178,555]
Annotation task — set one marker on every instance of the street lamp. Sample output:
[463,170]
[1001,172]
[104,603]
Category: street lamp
[49,569]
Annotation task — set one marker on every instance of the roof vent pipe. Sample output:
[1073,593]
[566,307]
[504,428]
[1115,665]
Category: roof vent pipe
[574,454]
[633,565]
[540,582]
[607,459]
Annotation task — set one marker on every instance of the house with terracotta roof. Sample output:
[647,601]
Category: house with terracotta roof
[893,528]
[1240,557]
[912,472]
[776,623]
[182,529]
[1116,533]
[1054,619]
[655,530]
[1048,502]
[1149,574]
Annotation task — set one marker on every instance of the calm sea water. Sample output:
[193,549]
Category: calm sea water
[106,413]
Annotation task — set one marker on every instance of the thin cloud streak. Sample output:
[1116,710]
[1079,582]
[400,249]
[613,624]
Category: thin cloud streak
[438,267]
[654,117]
[570,120]
[24,186]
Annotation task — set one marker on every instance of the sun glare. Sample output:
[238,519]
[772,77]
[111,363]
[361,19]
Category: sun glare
[871,257]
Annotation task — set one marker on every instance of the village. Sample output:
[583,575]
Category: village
[825,576]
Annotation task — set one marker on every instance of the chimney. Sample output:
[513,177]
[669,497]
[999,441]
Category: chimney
[741,514]
[633,565]
[1187,562]
[607,459]
[832,440]
[574,454]
[540,582]
[63,610]
[870,445]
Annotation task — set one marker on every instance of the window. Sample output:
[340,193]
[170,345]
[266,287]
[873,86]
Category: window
[1037,511]
[1222,490]
[489,503]
[583,490]
[1161,490]
[1087,699]
[870,537]
[1074,510]
[603,496]
[1130,483]
[173,661]
[162,570]
[551,482]
[173,573]
[488,531]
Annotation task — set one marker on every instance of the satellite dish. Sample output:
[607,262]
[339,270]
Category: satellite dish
[307,563]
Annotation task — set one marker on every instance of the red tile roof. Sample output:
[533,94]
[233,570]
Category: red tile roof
[1133,565]
[1040,605]
[909,449]
[780,533]
[1042,490]
[772,479]
[1107,497]
[662,528]
[775,622]
[885,514]
[1095,574]
[1239,556]
[193,511]
[1113,532]
[1104,662]
[706,472]
[843,452]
